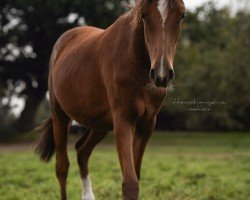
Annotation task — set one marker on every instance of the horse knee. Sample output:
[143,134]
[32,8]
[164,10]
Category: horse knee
[130,189]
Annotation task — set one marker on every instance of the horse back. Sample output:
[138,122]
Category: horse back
[69,38]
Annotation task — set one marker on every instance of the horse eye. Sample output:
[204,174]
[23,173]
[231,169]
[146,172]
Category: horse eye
[183,15]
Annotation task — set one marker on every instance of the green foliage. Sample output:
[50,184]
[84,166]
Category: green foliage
[43,112]
[28,31]
[212,62]
[39,24]
[175,166]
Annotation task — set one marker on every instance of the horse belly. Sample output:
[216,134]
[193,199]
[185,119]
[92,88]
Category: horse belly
[89,112]
[83,97]
[93,111]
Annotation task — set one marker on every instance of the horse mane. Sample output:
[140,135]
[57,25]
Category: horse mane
[137,11]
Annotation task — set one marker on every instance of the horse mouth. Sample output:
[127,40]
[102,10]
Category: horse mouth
[161,83]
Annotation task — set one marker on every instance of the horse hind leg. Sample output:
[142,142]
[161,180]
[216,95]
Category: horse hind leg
[84,148]
[61,123]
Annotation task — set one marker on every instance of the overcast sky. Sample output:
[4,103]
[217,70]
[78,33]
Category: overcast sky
[235,4]
[191,4]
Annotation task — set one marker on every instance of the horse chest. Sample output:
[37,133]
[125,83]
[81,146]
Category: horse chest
[151,103]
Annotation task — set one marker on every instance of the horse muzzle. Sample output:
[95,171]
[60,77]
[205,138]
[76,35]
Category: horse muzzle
[162,79]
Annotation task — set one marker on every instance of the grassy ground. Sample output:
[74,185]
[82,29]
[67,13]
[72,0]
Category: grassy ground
[175,167]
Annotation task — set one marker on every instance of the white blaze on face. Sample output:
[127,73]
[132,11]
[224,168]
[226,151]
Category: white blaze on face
[162,8]
[87,190]
[161,74]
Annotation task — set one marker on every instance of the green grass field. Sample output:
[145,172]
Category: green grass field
[175,167]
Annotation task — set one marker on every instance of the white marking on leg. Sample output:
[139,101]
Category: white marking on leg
[87,190]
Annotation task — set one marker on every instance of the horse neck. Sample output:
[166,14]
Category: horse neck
[138,50]
[129,40]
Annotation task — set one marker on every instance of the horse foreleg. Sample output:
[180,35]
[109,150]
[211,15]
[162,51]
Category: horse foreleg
[84,147]
[140,142]
[124,131]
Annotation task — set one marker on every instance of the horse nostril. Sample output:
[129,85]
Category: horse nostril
[161,82]
[171,74]
[164,81]
[152,74]
[158,81]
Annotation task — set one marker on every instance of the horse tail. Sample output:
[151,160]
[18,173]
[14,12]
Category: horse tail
[46,144]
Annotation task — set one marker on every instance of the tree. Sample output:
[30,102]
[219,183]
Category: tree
[212,63]
[29,28]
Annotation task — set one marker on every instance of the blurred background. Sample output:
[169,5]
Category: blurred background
[211,91]
[201,148]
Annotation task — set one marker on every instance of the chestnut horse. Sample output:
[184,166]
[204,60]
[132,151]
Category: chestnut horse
[114,79]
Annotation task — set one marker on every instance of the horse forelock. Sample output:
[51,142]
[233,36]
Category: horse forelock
[140,5]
